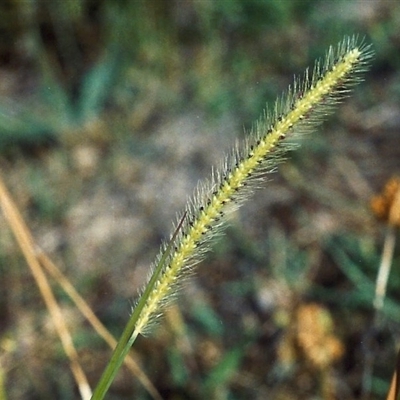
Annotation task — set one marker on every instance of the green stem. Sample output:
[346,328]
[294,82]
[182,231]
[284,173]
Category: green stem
[129,336]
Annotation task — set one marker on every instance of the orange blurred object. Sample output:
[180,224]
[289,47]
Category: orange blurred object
[386,205]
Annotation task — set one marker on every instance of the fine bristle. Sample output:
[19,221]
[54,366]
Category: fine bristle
[299,111]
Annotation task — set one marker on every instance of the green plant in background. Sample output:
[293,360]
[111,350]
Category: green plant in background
[296,113]
[75,83]
[70,94]
[90,58]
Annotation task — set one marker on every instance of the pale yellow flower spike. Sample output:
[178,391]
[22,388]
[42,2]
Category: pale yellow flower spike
[296,113]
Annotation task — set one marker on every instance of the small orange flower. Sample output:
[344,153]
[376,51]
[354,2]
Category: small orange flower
[386,205]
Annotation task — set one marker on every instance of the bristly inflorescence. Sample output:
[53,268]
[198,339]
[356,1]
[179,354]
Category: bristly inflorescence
[296,113]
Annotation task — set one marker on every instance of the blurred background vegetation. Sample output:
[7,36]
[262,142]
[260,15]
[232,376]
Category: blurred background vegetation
[111,111]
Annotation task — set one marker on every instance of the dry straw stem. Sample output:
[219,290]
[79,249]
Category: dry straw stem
[20,228]
[296,113]
[102,331]
[386,206]
[26,244]
[394,389]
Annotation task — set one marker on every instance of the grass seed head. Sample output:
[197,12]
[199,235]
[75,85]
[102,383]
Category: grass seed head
[298,112]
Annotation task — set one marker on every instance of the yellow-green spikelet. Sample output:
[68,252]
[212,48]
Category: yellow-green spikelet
[296,113]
